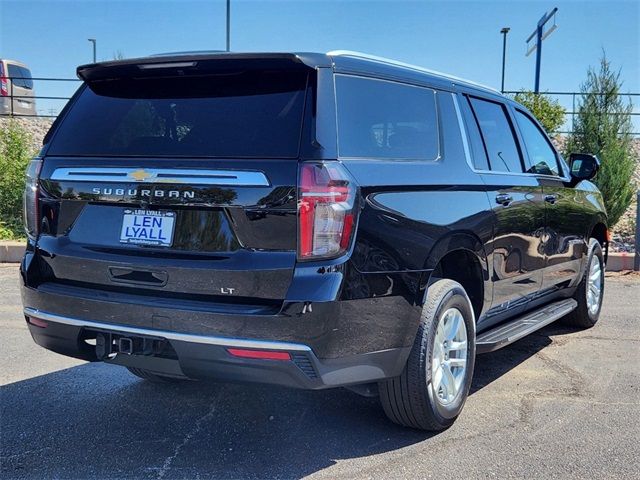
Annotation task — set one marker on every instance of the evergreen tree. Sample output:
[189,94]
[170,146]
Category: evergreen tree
[603,127]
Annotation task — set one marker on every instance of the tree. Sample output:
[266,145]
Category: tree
[603,127]
[549,112]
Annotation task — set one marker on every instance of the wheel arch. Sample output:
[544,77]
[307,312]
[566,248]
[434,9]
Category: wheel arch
[600,232]
[461,257]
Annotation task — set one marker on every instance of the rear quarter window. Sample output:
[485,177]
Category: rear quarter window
[385,119]
[242,114]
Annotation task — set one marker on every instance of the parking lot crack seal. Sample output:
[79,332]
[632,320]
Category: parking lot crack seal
[574,388]
[166,466]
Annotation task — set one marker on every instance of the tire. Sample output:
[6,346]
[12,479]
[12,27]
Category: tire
[154,377]
[587,313]
[413,399]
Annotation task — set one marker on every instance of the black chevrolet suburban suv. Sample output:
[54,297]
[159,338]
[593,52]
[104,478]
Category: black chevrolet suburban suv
[308,220]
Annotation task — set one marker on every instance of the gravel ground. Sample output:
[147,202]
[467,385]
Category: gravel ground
[558,404]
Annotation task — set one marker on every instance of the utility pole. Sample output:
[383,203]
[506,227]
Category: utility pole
[93,40]
[504,32]
[636,260]
[228,25]
[540,34]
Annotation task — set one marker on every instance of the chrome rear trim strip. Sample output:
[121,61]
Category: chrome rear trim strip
[463,130]
[245,178]
[169,335]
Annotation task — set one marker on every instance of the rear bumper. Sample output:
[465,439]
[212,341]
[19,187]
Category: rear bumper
[341,327]
[18,108]
[205,356]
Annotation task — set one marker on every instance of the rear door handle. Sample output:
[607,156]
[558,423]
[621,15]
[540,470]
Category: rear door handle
[504,199]
[550,199]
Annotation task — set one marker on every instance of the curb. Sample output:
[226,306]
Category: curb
[11,251]
[619,261]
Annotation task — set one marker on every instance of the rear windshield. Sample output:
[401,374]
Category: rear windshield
[20,76]
[238,114]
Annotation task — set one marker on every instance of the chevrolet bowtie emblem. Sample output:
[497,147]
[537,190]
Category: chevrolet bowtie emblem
[140,175]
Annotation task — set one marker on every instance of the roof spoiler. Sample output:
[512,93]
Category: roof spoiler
[196,64]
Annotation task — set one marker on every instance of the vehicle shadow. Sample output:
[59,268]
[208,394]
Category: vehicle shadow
[92,419]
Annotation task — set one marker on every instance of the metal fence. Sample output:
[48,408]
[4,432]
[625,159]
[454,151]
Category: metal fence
[571,108]
[12,97]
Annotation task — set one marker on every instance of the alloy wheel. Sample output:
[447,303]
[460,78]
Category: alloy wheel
[594,285]
[449,357]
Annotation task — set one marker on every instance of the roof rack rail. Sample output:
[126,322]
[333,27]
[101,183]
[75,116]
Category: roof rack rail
[388,61]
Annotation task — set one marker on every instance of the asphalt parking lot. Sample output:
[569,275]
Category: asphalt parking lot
[558,404]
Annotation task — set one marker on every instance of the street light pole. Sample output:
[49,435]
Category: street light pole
[228,25]
[93,40]
[504,32]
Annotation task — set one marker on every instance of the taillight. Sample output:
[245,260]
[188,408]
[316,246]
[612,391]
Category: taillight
[4,88]
[31,193]
[326,213]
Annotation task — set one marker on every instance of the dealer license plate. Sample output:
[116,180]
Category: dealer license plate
[148,227]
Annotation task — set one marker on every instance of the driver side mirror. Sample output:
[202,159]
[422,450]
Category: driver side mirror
[584,166]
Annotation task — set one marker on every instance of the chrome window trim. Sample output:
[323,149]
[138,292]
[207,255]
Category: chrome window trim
[463,131]
[169,335]
[161,175]
[524,174]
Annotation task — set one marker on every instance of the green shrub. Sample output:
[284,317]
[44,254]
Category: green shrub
[15,153]
[548,111]
[603,127]
[6,233]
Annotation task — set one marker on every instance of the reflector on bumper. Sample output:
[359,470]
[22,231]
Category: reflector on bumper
[259,354]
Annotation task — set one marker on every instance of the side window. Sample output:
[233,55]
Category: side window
[542,158]
[383,119]
[497,133]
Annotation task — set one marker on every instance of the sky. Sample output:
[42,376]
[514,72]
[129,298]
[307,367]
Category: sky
[457,37]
